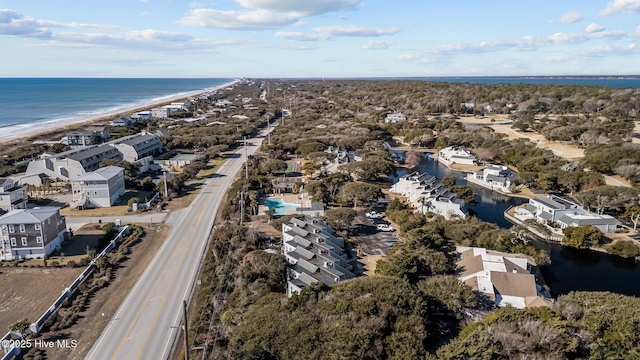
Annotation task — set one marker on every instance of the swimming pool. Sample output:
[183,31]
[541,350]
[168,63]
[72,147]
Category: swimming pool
[280,206]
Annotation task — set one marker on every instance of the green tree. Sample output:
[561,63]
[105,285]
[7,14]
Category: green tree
[357,192]
[132,201]
[274,166]
[147,184]
[449,180]
[412,261]
[584,236]
[465,193]
[368,169]
[448,293]
[19,327]
[340,218]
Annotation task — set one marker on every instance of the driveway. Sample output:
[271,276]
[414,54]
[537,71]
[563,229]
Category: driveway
[372,241]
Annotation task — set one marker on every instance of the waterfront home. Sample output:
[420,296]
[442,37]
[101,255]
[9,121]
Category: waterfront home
[100,188]
[504,278]
[494,177]
[558,213]
[427,194]
[160,113]
[123,121]
[12,195]
[314,253]
[31,233]
[395,117]
[342,156]
[88,136]
[68,165]
[457,155]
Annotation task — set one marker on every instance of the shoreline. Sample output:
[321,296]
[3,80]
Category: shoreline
[38,133]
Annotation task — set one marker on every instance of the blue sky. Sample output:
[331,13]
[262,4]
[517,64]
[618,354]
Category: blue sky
[315,38]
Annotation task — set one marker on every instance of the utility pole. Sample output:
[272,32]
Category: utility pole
[186,330]
[246,158]
[269,131]
[241,206]
[166,192]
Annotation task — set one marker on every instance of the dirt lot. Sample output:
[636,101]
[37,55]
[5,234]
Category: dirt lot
[107,300]
[369,263]
[28,292]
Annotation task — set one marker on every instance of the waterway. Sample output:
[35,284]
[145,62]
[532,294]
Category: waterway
[570,269]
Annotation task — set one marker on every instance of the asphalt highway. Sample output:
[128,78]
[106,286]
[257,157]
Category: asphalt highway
[148,321]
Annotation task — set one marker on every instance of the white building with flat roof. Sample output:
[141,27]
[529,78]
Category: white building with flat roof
[494,177]
[457,155]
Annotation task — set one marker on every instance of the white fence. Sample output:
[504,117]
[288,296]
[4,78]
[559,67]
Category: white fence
[10,351]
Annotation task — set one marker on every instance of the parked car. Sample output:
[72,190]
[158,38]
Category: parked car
[373,215]
[385,227]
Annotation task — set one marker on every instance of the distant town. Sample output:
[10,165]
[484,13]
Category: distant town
[358,215]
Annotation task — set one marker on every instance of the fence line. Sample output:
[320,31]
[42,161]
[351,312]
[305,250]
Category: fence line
[68,292]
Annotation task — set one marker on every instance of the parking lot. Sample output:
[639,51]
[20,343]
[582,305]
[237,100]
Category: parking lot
[371,240]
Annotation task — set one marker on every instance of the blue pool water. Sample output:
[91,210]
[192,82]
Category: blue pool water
[280,206]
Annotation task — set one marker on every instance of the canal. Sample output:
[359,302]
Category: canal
[570,269]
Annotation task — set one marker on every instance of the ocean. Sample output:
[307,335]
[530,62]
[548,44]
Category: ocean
[33,103]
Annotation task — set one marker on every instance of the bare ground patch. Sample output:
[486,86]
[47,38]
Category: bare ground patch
[106,301]
[28,292]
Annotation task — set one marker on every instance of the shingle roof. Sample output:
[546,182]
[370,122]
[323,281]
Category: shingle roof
[105,173]
[550,203]
[513,284]
[28,216]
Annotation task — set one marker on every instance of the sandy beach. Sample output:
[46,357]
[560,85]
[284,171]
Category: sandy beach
[53,132]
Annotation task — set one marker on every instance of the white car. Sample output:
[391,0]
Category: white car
[373,215]
[384,227]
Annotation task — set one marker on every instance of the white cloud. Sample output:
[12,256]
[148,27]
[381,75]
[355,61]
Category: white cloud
[299,36]
[304,8]
[637,32]
[12,23]
[378,45]
[328,32]
[353,30]
[593,28]
[238,20]
[618,6]
[263,14]
[145,13]
[570,17]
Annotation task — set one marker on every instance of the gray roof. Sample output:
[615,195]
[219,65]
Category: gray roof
[532,209]
[133,140]
[297,222]
[84,153]
[566,219]
[550,203]
[104,173]
[545,215]
[28,216]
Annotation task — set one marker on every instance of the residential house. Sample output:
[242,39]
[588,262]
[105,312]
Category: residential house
[504,278]
[395,117]
[558,213]
[494,177]
[123,121]
[31,233]
[138,148]
[314,253]
[179,160]
[342,156]
[142,115]
[88,136]
[12,195]
[100,188]
[457,155]
[69,164]
[427,194]
[160,113]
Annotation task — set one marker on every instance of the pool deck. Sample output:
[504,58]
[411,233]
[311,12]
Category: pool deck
[287,198]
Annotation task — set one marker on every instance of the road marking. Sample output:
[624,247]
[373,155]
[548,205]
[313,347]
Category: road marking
[173,278]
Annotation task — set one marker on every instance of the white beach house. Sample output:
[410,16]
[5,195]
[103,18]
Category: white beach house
[100,188]
[494,177]
[427,194]
[457,155]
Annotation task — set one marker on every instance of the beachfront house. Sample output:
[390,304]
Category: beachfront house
[123,121]
[100,188]
[494,177]
[12,195]
[88,136]
[31,233]
[69,164]
[558,213]
[427,194]
[142,115]
[314,253]
[504,278]
[160,113]
[395,117]
[457,155]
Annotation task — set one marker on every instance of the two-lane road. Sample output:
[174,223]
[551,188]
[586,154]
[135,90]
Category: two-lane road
[146,324]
